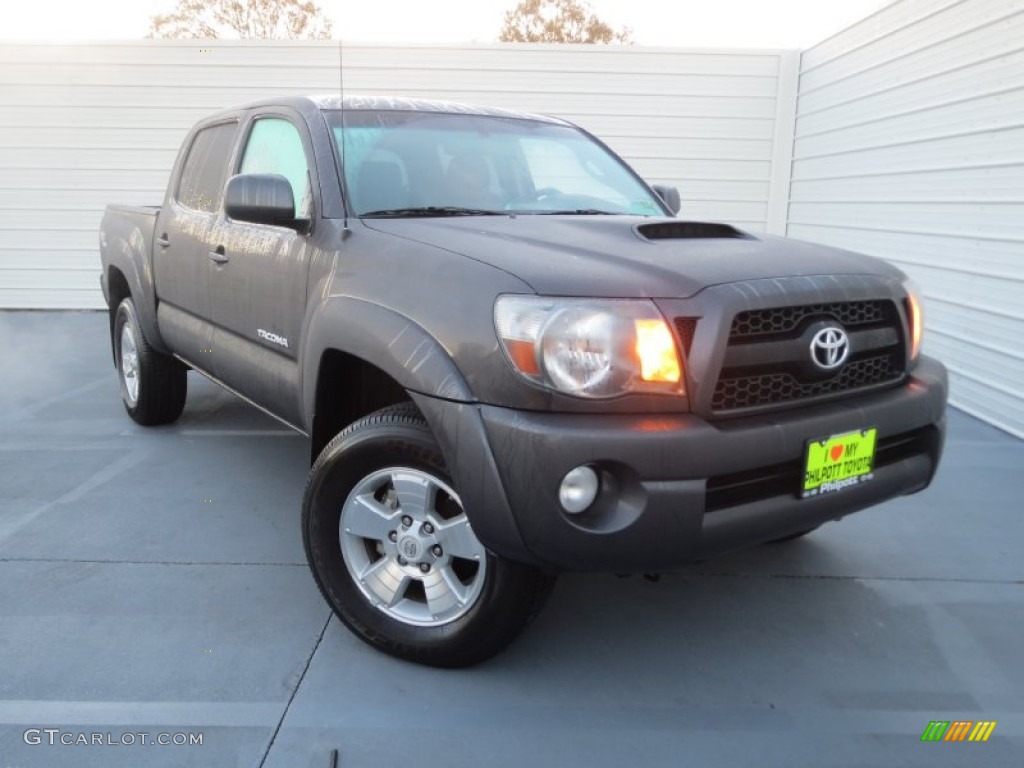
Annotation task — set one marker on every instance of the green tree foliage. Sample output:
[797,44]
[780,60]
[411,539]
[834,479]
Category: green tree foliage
[256,19]
[559,21]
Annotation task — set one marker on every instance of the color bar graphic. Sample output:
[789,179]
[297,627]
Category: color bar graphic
[958,730]
[982,730]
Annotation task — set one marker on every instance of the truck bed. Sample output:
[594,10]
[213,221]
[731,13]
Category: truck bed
[130,224]
[144,210]
[127,233]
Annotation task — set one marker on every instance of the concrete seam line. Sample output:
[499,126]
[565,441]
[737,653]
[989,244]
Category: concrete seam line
[93,561]
[240,714]
[830,577]
[238,433]
[31,410]
[298,684]
[105,475]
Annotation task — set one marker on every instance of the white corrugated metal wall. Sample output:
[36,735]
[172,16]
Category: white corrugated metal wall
[910,146]
[83,124]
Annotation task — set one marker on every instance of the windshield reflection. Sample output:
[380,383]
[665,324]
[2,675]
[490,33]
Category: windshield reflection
[421,164]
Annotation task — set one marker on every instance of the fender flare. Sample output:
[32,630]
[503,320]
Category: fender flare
[407,353]
[126,256]
[399,347]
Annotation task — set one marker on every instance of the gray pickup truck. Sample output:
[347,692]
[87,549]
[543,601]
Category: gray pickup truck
[512,359]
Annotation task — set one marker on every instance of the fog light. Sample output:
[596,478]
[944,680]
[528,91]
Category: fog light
[578,490]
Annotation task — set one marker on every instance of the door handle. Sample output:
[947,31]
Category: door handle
[163,241]
[218,255]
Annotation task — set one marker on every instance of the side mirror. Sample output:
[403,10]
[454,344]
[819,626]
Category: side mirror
[670,195]
[260,198]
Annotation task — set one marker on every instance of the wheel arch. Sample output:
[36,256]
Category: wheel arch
[117,291]
[124,279]
[360,356]
[347,389]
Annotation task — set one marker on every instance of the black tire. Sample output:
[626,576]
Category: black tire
[794,536]
[372,450]
[160,380]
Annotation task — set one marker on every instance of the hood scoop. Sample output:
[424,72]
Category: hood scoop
[689,230]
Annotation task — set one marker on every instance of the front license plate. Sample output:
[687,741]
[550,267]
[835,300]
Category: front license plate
[839,462]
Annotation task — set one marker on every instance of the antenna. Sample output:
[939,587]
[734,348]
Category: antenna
[344,168]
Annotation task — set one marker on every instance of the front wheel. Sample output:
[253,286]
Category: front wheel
[393,552]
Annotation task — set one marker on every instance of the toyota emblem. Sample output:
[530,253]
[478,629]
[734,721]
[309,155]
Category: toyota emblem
[409,547]
[830,347]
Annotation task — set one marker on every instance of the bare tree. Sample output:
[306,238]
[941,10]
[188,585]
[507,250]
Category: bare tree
[258,19]
[559,21]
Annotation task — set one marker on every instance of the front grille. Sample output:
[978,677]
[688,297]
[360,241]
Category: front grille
[775,388]
[780,320]
[767,362]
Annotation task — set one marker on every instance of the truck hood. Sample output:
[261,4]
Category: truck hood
[607,256]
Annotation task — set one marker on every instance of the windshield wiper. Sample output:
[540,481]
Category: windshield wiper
[429,211]
[581,212]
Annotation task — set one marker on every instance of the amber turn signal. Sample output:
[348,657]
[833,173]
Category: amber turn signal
[656,350]
[916,324]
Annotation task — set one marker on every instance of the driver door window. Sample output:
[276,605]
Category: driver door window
[275,146]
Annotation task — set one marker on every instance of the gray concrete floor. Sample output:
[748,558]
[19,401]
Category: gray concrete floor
[153,580]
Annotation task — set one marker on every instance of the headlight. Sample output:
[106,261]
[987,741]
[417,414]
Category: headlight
[915,318]
[589,347]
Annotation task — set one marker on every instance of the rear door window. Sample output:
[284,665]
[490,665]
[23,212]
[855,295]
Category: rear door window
[204,174]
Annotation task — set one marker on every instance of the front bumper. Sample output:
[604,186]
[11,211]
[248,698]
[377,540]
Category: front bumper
[675,487]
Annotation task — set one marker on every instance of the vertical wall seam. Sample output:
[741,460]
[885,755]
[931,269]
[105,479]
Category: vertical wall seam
[783,138]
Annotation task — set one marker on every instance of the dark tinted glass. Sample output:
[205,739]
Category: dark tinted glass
[205,172]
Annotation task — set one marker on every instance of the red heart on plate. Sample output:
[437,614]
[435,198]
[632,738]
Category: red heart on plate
[836,452]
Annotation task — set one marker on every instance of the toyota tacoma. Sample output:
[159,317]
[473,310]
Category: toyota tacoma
[511,356]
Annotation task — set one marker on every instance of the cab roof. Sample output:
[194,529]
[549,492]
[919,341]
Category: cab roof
[391,103]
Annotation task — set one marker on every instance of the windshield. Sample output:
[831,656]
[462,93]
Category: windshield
[401,163]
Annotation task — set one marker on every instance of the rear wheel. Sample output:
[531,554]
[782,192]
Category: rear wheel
[153,385]
[393,552]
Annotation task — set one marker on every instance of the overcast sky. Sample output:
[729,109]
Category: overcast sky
[679,23]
